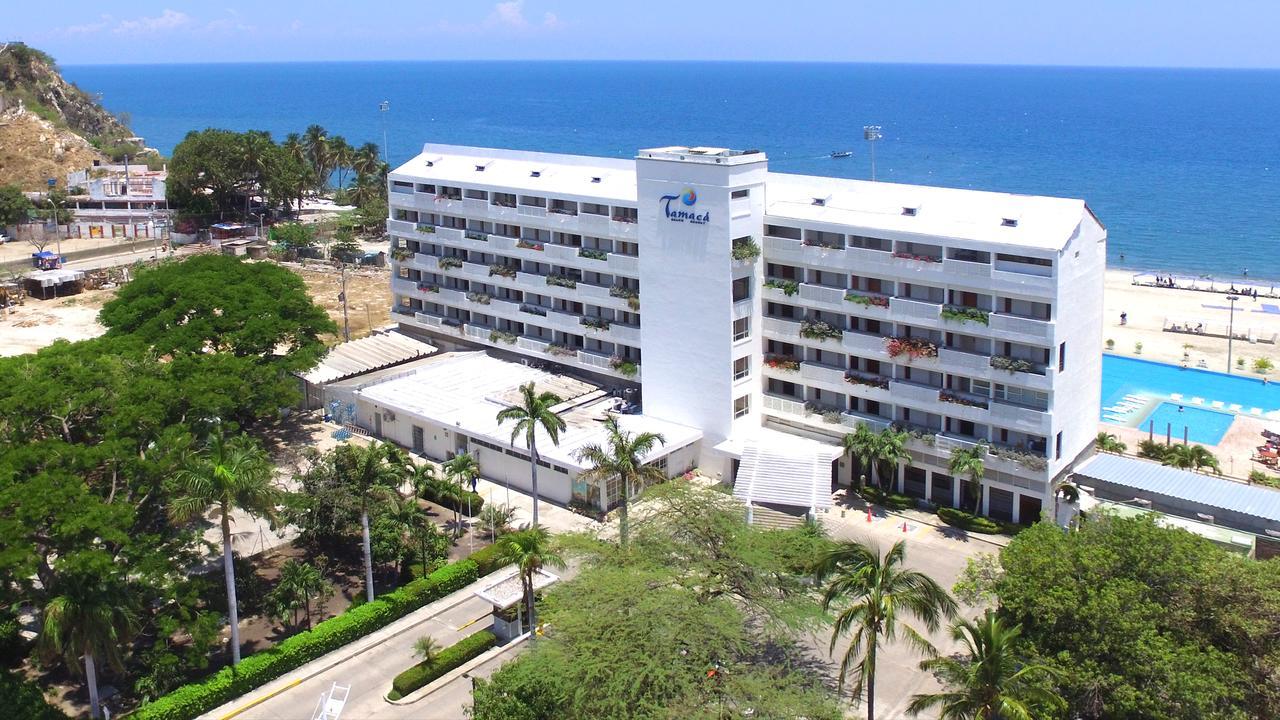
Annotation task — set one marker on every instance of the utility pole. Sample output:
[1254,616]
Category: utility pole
[871,133]
[346,325]
[383,107]
[1231,323]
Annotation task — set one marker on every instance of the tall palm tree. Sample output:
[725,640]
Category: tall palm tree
[296,149]
[876,591]
[298,584]
[463,468]
[969,463]
[621,457]
[342,155]
[407,518]
[891,449]
[319,153]
[994,682]
[533,412]
[1191,457]
[89,617]
[255,153]
[529,550]
[227,475]
[863,444]
[1066,491]
[366,160]
[1108,442]
[373,475]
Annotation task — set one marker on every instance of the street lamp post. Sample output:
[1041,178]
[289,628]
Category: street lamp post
[1231,322]
[383,107]
[871,133]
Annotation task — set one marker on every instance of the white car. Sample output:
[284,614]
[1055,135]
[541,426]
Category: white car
[3,238]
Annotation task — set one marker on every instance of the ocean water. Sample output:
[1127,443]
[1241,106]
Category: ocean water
[1182,166]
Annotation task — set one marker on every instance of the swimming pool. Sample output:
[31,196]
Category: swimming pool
[1198,424]
[1133,391]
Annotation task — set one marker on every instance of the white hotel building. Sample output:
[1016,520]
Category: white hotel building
[961,316]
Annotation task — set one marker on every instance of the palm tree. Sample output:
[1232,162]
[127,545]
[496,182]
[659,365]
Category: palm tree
[297,585]
[1191,457]
[319,153]
[463,468]
[90,617]
[1066,491]
[863,444]
[297,150]
[1108,442]
[891,449]
[533,412]
[994,682]
[255,151]
[969,463]
[365,161]
[878,590]
[228,475]
[529,550]
[407,518]
[622,457]
[373,475]
[343,155]
[426,648]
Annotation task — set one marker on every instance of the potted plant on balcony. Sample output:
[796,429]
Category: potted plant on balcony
[746,250]
[623,366]
[450,263]
[913,347]
[960,313]
[867,300]
[785,363]
[788,287]
[819,330]
[502,271]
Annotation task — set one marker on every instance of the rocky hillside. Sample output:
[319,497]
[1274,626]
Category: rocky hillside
[49,126]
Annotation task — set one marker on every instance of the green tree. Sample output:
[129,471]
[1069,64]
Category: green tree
[408,520]
[295,236]
[1191,457]
[228,475]
[622,457]
[462,468]
[366,160]
[534,412]
[15,208]
[298,585]
[372,474]
[219,303]
[863,444]
[1142,621]
[54,207]
[345,247]
[891,450]
[89,617]
[874,592]
[969,463]
[320,154]
[530,551]
[343,156]
[995,681]
[1108,442]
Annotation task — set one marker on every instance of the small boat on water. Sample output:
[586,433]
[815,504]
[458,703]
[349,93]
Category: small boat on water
[841,153]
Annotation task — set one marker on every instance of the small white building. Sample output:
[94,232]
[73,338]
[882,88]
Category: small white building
[448,404]
[118,201]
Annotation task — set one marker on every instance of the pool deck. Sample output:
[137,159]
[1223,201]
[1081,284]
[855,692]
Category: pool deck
[1234,451]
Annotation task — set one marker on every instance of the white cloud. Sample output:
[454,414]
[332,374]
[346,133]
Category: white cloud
[508,15]
[89,28]
[551,22]
[165,21]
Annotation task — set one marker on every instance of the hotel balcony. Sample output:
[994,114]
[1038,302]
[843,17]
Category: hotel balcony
[1020,329]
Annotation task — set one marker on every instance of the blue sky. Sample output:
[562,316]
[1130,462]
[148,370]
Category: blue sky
[1162,33]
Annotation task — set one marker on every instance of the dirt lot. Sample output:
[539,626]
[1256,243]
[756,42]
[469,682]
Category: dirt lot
[37,323]
[368,294]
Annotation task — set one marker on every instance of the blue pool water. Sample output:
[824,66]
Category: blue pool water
[1132,385]
[1200,425]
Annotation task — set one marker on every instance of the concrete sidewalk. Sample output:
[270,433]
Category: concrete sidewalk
[367,665]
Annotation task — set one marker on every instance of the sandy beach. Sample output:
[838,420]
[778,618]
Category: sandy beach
[1150,310]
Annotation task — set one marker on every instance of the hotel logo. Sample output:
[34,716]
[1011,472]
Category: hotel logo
[688,198]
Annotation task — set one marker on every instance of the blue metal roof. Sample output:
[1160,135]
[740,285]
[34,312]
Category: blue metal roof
[1183,484]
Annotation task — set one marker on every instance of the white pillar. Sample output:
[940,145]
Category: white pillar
[928,486]
[955,492]
[1017,502]
[986,499]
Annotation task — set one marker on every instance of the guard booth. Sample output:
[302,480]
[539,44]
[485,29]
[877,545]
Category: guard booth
[505,594]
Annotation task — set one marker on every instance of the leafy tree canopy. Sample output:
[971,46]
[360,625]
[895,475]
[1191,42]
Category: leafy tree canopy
[218,303]
[14,206]
[1142,621]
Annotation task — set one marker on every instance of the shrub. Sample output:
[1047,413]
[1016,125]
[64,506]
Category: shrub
[746,250]
[891,500]
[12,647]
[451,657]
[449,495]
[191,700]
[1258,477]
[1262,365]
[22,699]
[975,523]
[788,287]
[487,559]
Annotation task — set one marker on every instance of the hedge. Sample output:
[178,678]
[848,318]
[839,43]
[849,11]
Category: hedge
[487,559]
[976,523]
[453,497]
[448,659]
[258,669]
[893,501]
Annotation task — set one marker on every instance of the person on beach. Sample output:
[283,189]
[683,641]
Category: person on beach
[1124,318]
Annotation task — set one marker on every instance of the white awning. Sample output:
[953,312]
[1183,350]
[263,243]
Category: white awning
[795,472]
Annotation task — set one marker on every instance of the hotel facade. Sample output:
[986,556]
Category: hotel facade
[759,307]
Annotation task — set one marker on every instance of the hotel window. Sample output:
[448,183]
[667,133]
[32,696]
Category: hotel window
[1062,357]
[741,289]
[741,329]
[741,367]
[740,194]
[1058,446]
[742,406]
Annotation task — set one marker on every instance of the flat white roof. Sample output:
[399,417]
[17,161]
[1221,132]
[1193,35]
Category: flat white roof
[1027,221]
[564,175]
[1045,223]
[466,390]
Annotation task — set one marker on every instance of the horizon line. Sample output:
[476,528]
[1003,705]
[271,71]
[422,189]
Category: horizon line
[1061,66]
